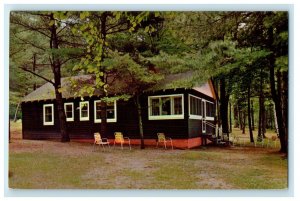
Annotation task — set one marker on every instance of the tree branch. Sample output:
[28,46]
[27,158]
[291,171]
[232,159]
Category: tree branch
[117,31]
[40,76]
[26,42]
[28,27]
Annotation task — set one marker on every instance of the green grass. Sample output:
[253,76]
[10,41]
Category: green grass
[41,170]
[55,165]
[179,169]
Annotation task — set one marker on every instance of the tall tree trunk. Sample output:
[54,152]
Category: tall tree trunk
[285,105]
[278,109]
[141,130]
[277,95]
[56,68]
[252,116]
[33,69]
[218,107]
[275,120]
[241,118]
[282,134]
[103,115]
[9,129]
[230,121]
[224,99]
[244,122]
[103,105]
[268,118]
[260,115]
[249,115]
[235,117]
[263,117]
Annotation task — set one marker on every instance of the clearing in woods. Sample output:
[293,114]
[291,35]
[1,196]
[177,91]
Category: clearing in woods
[36,164]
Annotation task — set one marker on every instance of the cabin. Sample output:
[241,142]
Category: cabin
[186,115]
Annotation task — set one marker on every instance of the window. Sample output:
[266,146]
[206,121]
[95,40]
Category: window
[177,105]
[155,107]
[195,107]
[166,107]
[84,111]
[111,111]
[48,114]
[69,111]
[210,110]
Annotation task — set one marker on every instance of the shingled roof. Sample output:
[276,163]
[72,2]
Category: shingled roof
[46,91]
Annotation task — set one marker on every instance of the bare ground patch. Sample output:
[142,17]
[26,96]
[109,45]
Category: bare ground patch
[76,165]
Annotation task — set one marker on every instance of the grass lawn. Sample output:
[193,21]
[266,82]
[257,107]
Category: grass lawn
[55,165]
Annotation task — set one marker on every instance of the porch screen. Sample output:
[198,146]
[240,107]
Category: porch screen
[210,110]
[195,106]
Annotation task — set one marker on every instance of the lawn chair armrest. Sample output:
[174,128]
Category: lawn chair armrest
[127,138]
[168,138]
[104,139]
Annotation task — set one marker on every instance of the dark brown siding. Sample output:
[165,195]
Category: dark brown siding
[127,120]
[174,128]
[195,128]
[32,122]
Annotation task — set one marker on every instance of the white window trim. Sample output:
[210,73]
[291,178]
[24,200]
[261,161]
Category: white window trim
[164,117]
[52,111]
[108,120]
[193,116]
[69,119]
[88,111]
[210,118]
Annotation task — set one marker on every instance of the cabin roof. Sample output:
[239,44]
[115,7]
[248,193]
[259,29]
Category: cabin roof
[71,85]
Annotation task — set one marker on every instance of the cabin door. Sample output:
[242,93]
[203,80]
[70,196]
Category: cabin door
[203,105]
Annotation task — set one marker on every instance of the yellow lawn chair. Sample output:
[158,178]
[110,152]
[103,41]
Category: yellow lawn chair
[161,138]
[100,141]
[119,138]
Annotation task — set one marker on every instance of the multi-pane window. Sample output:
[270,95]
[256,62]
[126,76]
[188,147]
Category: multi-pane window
[97,108]
[210,112]
[110,110]
[177,105]
[84,111]
[155,108]
[48,114]
[195,106]
[166,107]
[200,108]
[69,111]
[111,115]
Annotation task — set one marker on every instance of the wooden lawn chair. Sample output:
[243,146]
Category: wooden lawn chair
[119,138]
[161,138]
[100,141]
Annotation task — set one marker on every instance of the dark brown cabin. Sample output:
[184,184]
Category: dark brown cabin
[180,113]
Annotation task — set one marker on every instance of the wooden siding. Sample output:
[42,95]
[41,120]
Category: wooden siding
[127,120]
[174,128]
